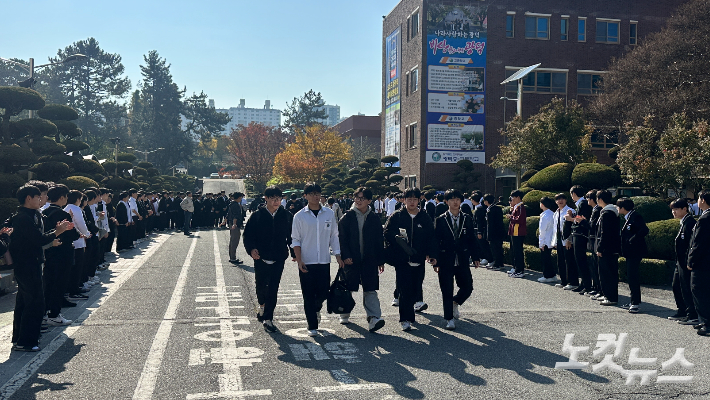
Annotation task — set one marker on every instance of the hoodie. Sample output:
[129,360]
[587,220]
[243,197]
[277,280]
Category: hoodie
[360,223]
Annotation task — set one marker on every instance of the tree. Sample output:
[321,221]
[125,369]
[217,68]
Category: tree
[304,111]
[254,148]
[666,74]
[13,100]
[363,149]
[467,177]
[315,149]
[556,134]
[203,121]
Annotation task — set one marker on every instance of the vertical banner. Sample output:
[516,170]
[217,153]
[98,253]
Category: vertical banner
[456,84]
[393,46]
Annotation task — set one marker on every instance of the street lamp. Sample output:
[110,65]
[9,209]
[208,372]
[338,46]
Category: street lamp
[115,141]
[145,153]
[27,83]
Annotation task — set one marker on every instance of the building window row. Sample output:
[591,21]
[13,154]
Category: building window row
[413,24]
[537,26]
[413,80]
[555,81]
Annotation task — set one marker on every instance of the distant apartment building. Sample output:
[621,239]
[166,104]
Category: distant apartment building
[243,115]
[333,115]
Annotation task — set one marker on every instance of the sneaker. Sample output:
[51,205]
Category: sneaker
[634,309]
[58,321]
[698,326]
[689,321]
[570,287]
[450,325]
[233,261]
[406,326]
[601,298]
[44,328]
[77,297]
[484,262]
[559,285]
[344,319]
[512,271]
[420,306]
[32,349]
[608,303]
[626,306]
[518,275]
[457,314]
[312,332]
[591,293]
[578,289]
[597,296]
[375,324]
[678,316]
[395,302]
[270,327]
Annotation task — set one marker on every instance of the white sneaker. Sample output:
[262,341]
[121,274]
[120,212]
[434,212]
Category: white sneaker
[450,325]
[395,302]
[542,279]
[375,324]
[547,280]
[457,314]
[512,271]
[312,332]
[569,287]
[344,319]
[86,286]
[406,326]
[96,279]
[58,321]
[484,262]
[420,306]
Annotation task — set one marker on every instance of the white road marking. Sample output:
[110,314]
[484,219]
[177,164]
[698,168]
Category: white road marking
[348,383]
[302,332]
[19,379]
[149,376]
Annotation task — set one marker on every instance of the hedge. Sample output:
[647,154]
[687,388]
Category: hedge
[16,155]
[45,146]
[8,206]
[652,208]
[592,175]
[74,145]
[145,164]
[532,201]
[79,182]
[50,170]
[556,177]
[68,129]
[90,167]
[661,239]
[13,97]
[129,157]
[139,171]
[9,183]
[528,174]
[119,184]
[532,225]
[58,112]
[35,127]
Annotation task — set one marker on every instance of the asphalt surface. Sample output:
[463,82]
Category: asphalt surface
[172,321]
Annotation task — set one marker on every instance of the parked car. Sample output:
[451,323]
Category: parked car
[227,176]
[214,175]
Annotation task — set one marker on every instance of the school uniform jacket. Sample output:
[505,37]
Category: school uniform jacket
[455,244]
[633,236]
[494,223]
[52,215]
[122,213]
[420,236]
[608,236]
[682,240]
[440,208]
[479,220]
[28,238]
[593,224]
[698,255]
[270,235]
[518,225]
[367,263]
[580,230]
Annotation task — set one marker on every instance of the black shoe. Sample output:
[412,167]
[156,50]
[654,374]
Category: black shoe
[270,328]
[233,261]
[698,326]
[44,329]
[591,293]
[238,261]
[579,289]
[67,303]
[704,331]
[77,297]
[679,316]
[583,292]
[32,349]
[690,320]
[259,318]
[626,306]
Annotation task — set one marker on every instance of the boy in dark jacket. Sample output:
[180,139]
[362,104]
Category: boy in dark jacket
[633,247]
[517,229]
[580,235]
[608,247]
[235,221]
[456,238]
[26,242]
[362,250]
[698,258]
[495,231]
[686,314]
[267,237]
[409,235]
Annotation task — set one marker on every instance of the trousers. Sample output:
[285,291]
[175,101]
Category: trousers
[234,236]
[609,276]
[268,278]
[516,249]
[314,287]
[464,281]
[29,305]
[682,292]
[633,276]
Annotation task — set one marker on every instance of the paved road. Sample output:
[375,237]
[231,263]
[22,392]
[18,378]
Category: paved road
[174,320]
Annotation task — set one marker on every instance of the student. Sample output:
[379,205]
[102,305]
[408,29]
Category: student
[58,259]
[333,205]
[517,230]
[686,314]
[26,242]
[430,204]
[566,265]
[92,244]
[456,239]
[313,235]
[362,250]
[188,208]
[579,234]
[467,205]
[235,218]
[495,232]
[546,240]
[479,224]
[633,247]
[74,208]
[163,208]
[608,247]
[591,197]
[441,206]
[123,222]
[267,237]
[698,265]
[409,234]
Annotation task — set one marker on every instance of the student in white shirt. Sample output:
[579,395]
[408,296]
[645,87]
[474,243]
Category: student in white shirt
[314,233]
[566,264]
[74,208]
[547,239]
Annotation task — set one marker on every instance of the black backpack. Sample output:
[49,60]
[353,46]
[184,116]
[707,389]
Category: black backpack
[340,299]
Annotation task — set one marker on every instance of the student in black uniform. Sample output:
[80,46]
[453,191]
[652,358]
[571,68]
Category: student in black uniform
[633,247]
[456,238]
[123,221]
[430,204]
[495,232]
[608,247]
[441,206]
[698,259]
[686,314]
[591,197]
[580,237]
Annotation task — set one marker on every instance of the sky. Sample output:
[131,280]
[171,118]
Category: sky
[231,50]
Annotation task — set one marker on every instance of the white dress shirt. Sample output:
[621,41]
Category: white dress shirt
[315,235]
[132,206]
[547,229]
[77,216]
[559,224]
[390,206]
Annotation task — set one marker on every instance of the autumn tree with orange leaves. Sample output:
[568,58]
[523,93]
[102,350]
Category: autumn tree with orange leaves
[314,150]
[254,148]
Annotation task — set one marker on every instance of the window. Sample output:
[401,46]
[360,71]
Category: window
[510,25]
[607,31]
[588,82]
[415,25]
[540,81]
[604,139]
[414,76]
[537,27]
[633,33]
[412,136]
[564,29]
[582,29]
[407,84]
[410,181]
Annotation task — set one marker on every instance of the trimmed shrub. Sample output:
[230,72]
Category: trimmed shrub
[68,160]
[532,201]
[109,167]
[79,182]
[528,174]
[58,112]
[145,164]
[124,166]
[50,170]
[68,129]
[139,171]
[14,97]
[130,157]
[44,146]
[653,272]
[16,155]
[153,172]
[90,167]
[119,184]
[592,175]
[532,226]
[613,152]
[652,208]
[74,145]
[35,127]
[556,177]
[661,239]
[525,189]
[9,183]
[8,206]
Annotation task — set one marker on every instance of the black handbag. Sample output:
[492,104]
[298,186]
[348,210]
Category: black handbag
[340,299]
